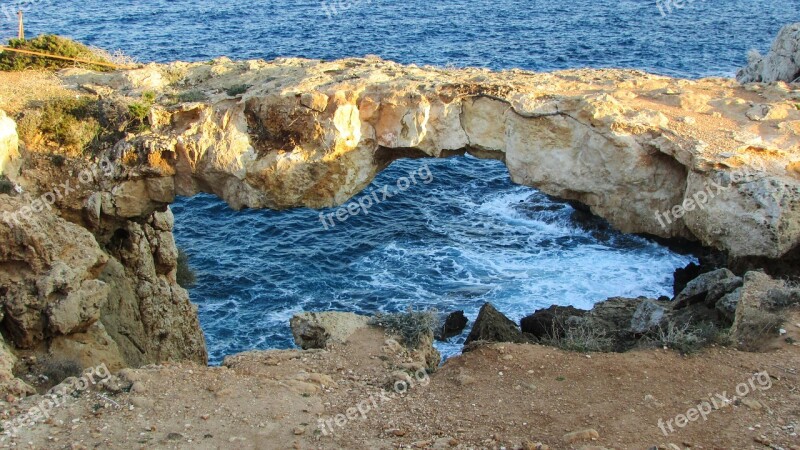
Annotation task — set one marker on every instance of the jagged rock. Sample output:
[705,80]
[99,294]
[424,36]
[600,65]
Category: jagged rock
[754,324]
[492,326]
[317,330]
[707,288]
[726,306]
[80,309]
[782,63]
[451,325]
[548,322]
[648,315]
[9,385]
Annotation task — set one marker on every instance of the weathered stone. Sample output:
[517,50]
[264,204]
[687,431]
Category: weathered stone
[317,330]
[698,289]
[547,322]
[493,326]
[782,63]
[648,315]
[451,325]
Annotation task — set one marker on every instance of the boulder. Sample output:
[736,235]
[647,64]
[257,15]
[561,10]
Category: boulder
[317,330]
[451,325]
[492,326]
[782,63]
[648,315]
[546,322]
[707,288]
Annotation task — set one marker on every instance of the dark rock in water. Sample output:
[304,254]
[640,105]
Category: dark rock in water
[492,326]
[451,325]
[707,289]
[546,323]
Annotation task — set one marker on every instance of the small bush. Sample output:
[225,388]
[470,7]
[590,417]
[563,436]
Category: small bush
[185,275]
[140,111]
[581,338]
[687,338]
[238,89]
[50,44]
[412,326]
[70,122]
[6,186]
[192,96]
[58,370]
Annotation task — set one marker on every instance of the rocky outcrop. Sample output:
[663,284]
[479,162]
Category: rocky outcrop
[651,154]
[317,330]
[492,326]
[782,63]
[92,273]
[118,305]
[450,325]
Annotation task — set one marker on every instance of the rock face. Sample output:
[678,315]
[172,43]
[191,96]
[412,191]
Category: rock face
[782,63]
[91,275]
[667,157]
[92,304]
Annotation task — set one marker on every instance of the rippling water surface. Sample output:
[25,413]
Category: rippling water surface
[468,237]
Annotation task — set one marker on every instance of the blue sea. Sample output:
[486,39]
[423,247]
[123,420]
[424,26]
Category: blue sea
[469,236]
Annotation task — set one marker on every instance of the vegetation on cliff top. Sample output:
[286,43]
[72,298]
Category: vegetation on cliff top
[53,45]
[83,125]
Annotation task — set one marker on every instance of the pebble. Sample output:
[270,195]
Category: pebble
[582,435]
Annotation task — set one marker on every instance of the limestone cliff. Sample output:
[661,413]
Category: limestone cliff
[88,260]
[632,146]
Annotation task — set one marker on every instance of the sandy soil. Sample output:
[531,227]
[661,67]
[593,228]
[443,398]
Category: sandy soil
[497,396]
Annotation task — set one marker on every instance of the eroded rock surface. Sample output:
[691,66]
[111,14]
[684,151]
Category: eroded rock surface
[782,63]
[708,160]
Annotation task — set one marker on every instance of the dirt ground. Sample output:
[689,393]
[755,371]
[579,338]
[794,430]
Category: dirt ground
[497,396]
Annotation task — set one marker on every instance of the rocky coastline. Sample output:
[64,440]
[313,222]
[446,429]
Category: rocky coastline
[88,262]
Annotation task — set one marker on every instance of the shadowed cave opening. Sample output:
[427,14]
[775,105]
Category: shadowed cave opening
[467,237]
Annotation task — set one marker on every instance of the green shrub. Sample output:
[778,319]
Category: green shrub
[139,111]
[185,275]
[192,96]
[70,122]
[238,89]
[411,326]
[50,44]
